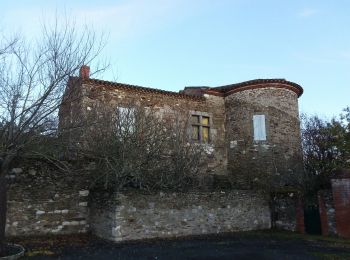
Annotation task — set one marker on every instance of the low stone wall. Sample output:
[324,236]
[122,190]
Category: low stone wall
[46,202]
[132,216]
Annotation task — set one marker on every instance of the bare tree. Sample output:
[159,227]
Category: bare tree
[32,81]
[144,149]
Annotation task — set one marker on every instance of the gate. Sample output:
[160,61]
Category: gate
[312,220]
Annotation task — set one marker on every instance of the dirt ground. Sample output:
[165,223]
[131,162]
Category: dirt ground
[242,245]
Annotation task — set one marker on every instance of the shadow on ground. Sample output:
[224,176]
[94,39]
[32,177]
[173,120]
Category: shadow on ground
[243,245]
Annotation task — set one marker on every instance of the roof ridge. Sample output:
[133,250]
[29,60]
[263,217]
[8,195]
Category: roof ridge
[140,88]
[220,90]
[226,88]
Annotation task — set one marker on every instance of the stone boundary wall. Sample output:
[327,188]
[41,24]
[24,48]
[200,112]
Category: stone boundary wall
[285,211]
[341,200]
[334,205]
[46,202]
[327,212]
[43,201]
[133,216]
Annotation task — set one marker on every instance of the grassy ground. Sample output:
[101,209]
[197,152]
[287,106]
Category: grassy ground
[279,234]
[329,241]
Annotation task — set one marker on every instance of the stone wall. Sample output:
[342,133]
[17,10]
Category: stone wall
[233,149]
[327,212]
[44,201]
[217,162]
[94,102]
[132,216]
[276,160]
[341,200]
[285,214]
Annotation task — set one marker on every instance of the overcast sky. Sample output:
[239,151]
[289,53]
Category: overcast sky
[175,43]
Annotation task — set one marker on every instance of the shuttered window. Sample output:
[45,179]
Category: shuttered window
[259,128]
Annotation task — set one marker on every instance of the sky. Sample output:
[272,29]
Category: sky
[170,44]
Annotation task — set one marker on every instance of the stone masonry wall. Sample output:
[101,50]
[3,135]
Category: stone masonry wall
[42,201]
[341,200]
[327,212]
[98,100]
[132,216]
[276,160]
[285,211]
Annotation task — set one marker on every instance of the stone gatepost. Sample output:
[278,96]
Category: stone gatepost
[341,197]
[300,225]
[327,212]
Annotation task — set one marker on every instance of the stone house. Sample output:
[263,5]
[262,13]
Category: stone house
[252,127]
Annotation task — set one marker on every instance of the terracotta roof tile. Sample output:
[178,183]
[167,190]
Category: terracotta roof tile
[242,85]
[220,90]
[140,89]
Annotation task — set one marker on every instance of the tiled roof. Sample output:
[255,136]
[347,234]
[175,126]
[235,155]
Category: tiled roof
[220,90]
[139,89]
[251,83]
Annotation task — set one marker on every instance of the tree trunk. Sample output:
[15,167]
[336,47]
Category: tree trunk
[5,162]
[3,210]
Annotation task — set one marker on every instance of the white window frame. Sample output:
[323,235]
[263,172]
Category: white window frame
[259,127]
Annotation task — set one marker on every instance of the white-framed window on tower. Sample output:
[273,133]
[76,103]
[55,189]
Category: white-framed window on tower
[259,126]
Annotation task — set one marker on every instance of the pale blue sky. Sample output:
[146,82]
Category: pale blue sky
[170,44]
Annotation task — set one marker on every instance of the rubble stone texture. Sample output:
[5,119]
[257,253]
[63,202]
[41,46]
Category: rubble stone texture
[341,200]
[131,216]
[327,212]
[48,203]
[277,159]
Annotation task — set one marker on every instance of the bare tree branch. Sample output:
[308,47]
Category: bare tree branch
[33,77]
[134,147]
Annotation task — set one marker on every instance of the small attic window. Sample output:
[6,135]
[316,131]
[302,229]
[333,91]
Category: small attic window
[259,127]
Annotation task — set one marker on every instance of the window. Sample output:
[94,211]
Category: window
[200,128]
[259,127]
[125,120]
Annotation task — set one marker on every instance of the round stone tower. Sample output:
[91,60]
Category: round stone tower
[263,133]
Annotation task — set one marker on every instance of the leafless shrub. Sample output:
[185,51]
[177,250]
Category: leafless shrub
[33,76]
[138,148]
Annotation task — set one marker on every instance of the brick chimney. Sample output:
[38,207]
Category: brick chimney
[84,72]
